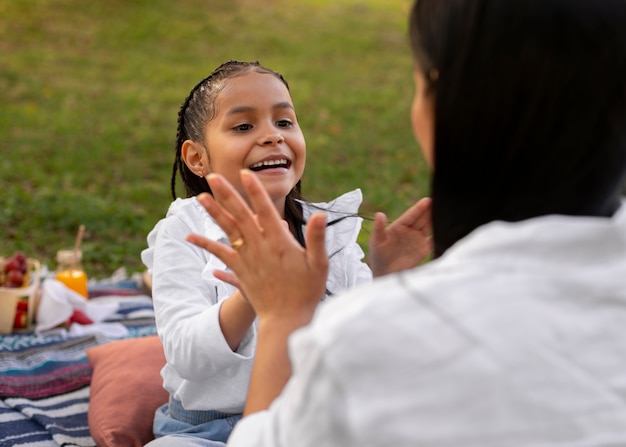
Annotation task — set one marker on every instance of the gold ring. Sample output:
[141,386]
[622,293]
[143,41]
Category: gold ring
[237,243]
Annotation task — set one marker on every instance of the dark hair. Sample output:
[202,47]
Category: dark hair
[530,108]
[197,110]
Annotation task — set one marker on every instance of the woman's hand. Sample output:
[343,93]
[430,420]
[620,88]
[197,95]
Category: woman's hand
[278,277]
[405,243]
[282,281]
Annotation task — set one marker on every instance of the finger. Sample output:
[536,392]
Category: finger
[380,222]
[412,215]
[417,216]
[223,252]
[425,218]
[228,277]
[231,201]
[265,210]
[378,228]
[222,217]
[316,256]
[316,245]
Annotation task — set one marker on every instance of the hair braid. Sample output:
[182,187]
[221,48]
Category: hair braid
[182,134]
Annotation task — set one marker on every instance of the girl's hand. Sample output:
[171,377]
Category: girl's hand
[405,243]
[281,280]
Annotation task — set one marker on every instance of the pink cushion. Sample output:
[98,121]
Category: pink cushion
[126,390]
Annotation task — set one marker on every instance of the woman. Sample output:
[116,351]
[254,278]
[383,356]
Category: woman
[515,334]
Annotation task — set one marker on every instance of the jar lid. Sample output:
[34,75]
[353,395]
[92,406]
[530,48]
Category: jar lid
[69,256]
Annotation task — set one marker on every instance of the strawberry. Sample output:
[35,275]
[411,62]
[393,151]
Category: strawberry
[79,317]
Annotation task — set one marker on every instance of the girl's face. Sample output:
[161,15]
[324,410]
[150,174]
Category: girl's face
[255,128]
[423,117]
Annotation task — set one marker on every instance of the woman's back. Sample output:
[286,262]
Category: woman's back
[515,337]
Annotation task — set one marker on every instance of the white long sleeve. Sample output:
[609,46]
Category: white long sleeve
[201,370]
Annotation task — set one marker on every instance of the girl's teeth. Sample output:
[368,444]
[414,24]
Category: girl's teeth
[269,163]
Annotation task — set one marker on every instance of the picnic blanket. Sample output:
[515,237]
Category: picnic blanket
[45,378]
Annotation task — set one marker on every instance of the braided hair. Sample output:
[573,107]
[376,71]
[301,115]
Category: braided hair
[194,114]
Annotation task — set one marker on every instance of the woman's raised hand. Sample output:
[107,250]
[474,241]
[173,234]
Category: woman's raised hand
[404,244]
[280,278]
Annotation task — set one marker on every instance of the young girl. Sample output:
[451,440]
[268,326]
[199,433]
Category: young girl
[240,117]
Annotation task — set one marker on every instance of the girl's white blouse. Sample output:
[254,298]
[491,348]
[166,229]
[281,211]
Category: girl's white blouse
[201,370]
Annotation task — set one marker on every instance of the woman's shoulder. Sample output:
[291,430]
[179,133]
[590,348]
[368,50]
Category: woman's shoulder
[377,312]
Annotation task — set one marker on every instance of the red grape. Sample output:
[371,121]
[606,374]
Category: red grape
[15,268]
[12,264]
[15,278]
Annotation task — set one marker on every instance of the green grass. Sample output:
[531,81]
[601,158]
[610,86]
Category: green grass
[90,91]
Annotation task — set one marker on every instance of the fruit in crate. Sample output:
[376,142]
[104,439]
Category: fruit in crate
[15,271]
[19,287]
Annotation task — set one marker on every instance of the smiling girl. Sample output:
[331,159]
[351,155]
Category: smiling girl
[240,117]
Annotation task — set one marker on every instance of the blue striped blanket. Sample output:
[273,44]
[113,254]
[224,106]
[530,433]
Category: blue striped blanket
[44,382]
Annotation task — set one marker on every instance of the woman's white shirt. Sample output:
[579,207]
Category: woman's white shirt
[515,337]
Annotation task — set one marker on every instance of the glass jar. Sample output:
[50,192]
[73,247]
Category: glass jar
[70,271]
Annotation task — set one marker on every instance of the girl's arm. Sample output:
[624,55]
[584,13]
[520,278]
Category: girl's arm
[282,280]
[188,304]
[236,316]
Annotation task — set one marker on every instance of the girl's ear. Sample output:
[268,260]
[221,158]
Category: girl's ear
[195,157]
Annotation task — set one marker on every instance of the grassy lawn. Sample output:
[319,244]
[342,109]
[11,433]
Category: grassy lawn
[90,90]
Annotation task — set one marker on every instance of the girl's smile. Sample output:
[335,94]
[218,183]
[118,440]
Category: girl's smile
[271,163]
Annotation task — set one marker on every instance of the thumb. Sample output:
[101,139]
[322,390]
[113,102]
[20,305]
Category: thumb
[378,228]
[316,243]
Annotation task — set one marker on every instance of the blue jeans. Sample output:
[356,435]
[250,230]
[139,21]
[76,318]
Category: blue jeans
[175,426]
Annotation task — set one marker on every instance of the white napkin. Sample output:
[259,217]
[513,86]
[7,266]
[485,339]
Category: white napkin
[58,303]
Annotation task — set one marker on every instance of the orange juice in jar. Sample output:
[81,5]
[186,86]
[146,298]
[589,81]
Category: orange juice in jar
[70,271]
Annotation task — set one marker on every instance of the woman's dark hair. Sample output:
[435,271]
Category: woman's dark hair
[530,108]
[195,113]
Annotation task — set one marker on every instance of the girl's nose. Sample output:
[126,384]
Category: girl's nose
[273,139]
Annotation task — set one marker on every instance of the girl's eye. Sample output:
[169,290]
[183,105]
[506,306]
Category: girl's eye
[283,123]
[242,127]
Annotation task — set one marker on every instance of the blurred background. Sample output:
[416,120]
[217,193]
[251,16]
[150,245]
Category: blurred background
[90,91]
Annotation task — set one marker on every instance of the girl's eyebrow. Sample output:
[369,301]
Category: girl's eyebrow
[243,109]
[283,105]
